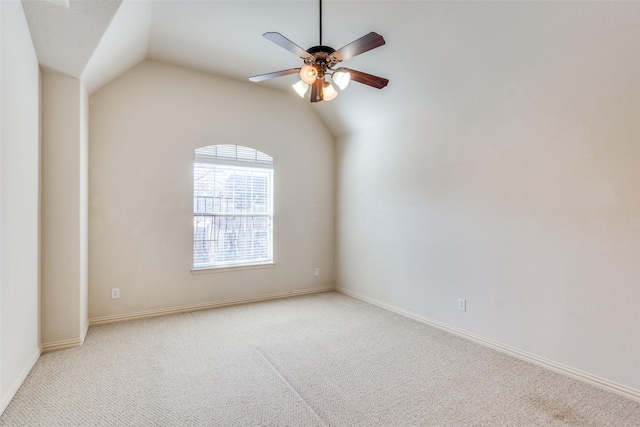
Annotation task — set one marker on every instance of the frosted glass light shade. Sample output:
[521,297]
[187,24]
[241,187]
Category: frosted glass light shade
[328,92]
[308,74]
[341,78]
[301,88]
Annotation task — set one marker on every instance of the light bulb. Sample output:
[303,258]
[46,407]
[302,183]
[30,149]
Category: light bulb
[328,92]
[308,74]
[301,88]
[341,77]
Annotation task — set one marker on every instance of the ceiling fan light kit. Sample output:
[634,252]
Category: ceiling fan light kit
[308,74]
[301,88]
[319,62]
[341,77]
[328,92]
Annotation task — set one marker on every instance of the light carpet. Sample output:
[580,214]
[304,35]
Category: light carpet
[317,360]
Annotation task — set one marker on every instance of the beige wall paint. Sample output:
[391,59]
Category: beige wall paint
[83,220]
[519,192]
[144,128]
[64,211]
[19,201]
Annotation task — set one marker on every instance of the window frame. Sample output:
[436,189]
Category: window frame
[223,155]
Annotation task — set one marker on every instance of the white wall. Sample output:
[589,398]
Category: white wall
[519,191]
[144,128]
[19,201]
[64,211]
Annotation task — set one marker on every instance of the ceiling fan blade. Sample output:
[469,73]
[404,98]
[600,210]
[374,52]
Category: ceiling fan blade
[273,75]
[367,79]
[316,90]
[284,42]
[362,45]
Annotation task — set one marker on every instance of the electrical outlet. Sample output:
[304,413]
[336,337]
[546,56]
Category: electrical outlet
[317,271]
[115,293]
[462,304]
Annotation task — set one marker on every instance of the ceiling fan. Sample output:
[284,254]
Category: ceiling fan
[319,62]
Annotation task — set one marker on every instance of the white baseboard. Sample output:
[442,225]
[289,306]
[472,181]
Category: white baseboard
[85,332]
[62,345]
[602,383]
[65,344]
[16,386]
[203,306]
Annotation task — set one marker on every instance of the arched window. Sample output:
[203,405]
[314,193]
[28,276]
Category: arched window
[232,207]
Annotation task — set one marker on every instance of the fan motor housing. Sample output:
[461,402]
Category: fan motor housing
[323,55]
[321,49]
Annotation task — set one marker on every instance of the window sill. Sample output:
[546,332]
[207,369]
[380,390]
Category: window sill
[227,269]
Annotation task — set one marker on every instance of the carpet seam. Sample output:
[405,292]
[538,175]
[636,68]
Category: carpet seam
[290,386]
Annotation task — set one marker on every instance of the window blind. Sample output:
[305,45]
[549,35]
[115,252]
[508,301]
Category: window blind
[230,154]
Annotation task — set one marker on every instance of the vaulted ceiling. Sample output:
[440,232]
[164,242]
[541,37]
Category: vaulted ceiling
[434,52]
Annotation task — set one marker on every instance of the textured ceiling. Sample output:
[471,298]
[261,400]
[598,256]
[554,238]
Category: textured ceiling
[437,52]
[123,45]
[64,36]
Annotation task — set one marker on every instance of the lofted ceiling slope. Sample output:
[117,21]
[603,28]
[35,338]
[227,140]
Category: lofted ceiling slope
[437,52]
[65,35]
